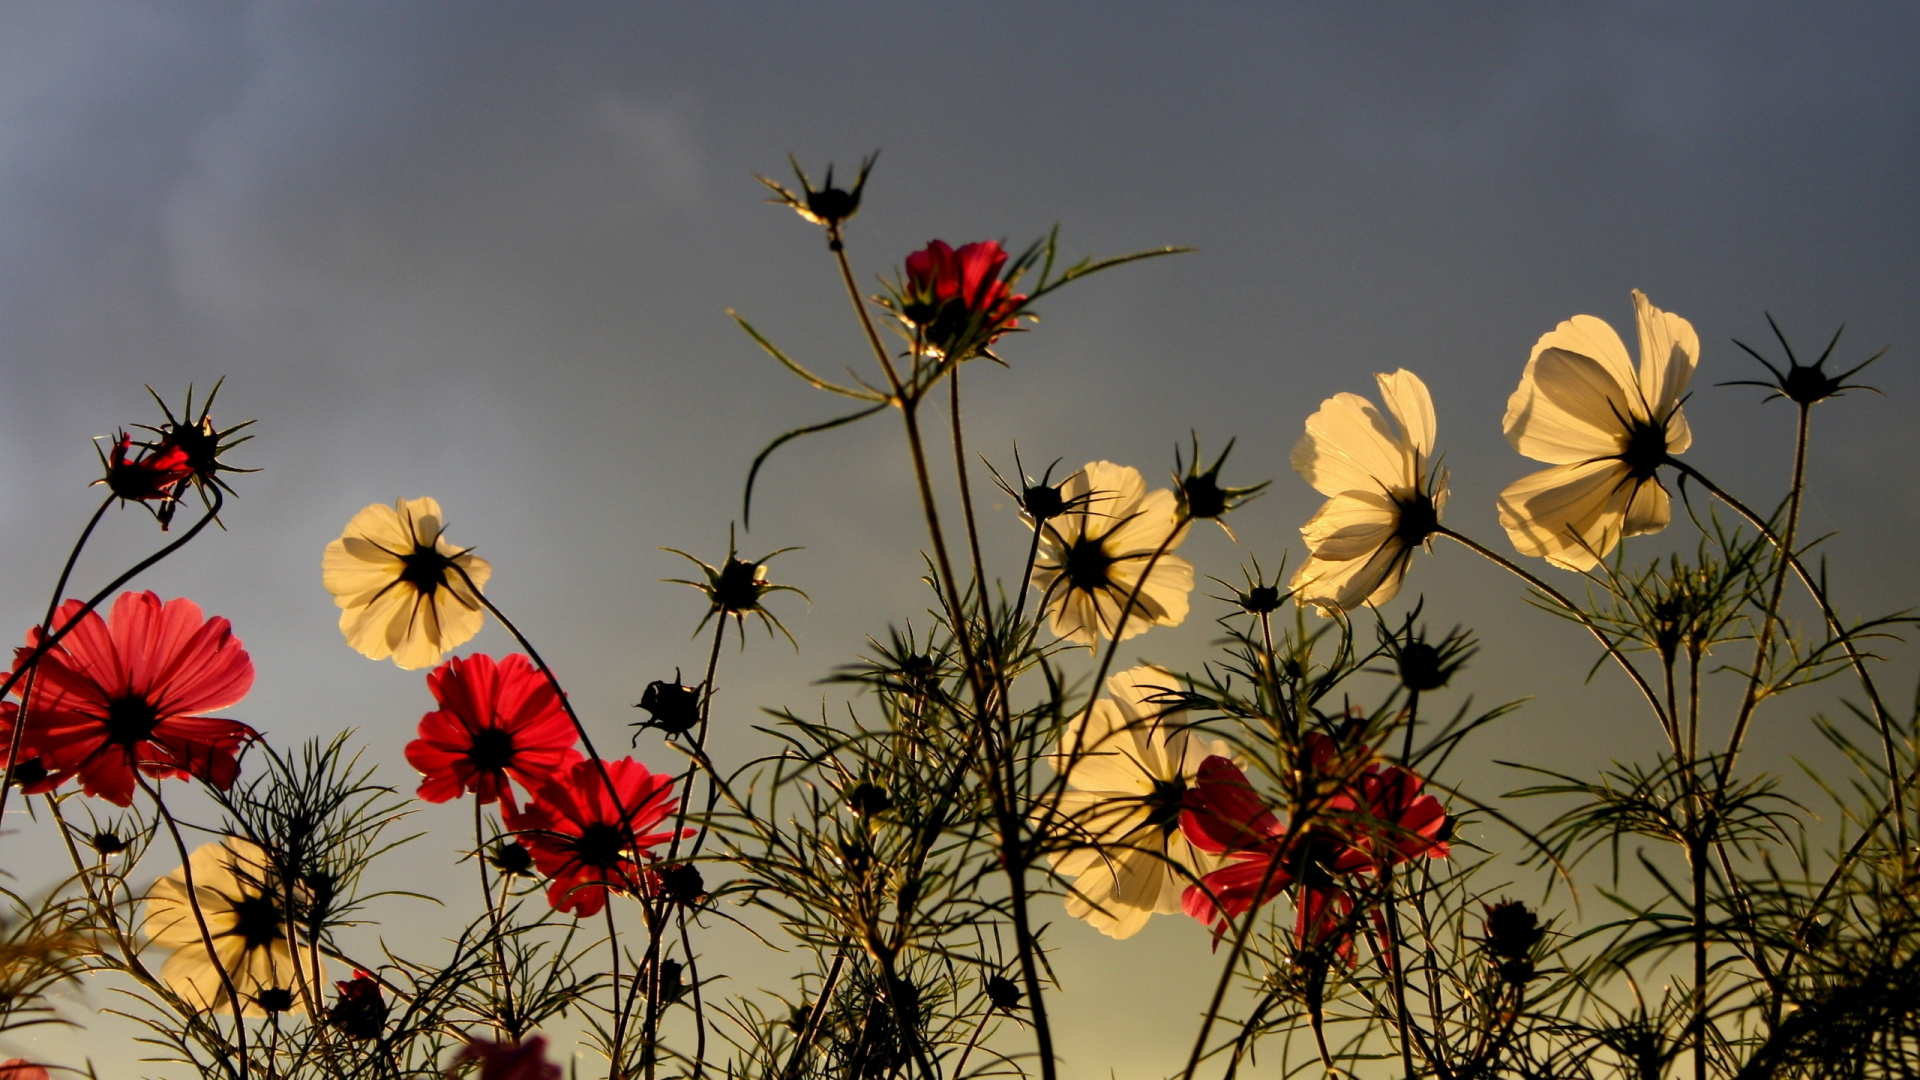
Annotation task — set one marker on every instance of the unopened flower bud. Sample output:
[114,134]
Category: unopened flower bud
[1420,667]
[1003,992]
[108,843]
[671,707]
[1512,930]
[683,884]
[512,859]
[360,1011]
[868,800]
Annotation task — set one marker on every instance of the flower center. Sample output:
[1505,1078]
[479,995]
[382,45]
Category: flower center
[130,719]
[1087,564]
[1646,449]
[492,749]
[1165,802]
[739,586]
[256,920]
[1418,518]
[425,569]
[600,846]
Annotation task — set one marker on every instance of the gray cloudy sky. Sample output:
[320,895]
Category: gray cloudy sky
[483,252]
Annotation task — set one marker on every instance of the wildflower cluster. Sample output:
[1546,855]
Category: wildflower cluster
[899,854]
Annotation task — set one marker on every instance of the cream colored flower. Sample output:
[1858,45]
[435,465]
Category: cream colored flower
[400,585]
[1092,556]
[1605,428]
[242,904]
[1384,499]
[1128,767]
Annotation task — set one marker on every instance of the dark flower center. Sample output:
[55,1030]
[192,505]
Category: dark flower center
[130,719]
[492,749]
[600,846]
[1165,802]
[1087,564]
[256,919]
[1419,518]
[738,588]
[201,444]
[1646,449]
[425,569]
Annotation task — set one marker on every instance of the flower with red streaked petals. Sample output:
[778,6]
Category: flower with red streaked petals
[577,837]
[129,692]
[507,1060]
[956,300]
[22,1069]
[495,720]
[155,474]
[360,1011]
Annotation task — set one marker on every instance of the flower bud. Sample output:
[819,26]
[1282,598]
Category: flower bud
[512,859]
[868,800]
[683,884]
[1512,930]
[1003,992]
[671,707]
[360,1012]
[108,843]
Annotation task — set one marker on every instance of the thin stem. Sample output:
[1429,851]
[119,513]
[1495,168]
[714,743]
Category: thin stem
[1881,715]
[960,1067]
[619,1055]
[200,918]
[699,1004]
[1667,723]
[511,1025]
[1233,960]
[966,505]
[1770,615]
[815,1016]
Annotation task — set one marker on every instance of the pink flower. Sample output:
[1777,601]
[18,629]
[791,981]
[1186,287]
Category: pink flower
[130,692]
[495,720]
[505,1060]
[957,299]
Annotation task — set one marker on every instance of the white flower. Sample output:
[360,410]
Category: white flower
[1092,556]
[242,903]
[399,584]
[1605,428]
[1127,775]
[1384,497]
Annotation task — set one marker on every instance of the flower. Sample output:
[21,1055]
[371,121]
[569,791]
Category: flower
[403,590]
[22,1069]
[1384,498]
[735,588]
[1094,555]
[494,720]
[30,769]
[578,838]
[154,475]
[129,692]
[241,900]
[201,445]
[360,1011]
[1605,428]
[507,1060]
[956,300]
[1128,767]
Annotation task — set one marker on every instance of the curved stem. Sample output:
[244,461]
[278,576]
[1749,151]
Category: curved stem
[1770,615]
[815,1016]
[200,919]
[1881,716]
[1233,960]
[511,1025]
[1667,723]
[619,1048]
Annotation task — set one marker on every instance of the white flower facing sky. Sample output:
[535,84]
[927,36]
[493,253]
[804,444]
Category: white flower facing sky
[1092,556]
[1605,428]
[1128,767]
[245,918]
[399,584]
[1384,497]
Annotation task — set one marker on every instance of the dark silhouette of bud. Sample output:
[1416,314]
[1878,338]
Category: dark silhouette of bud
[360,1011]
[1043,502]
[274,999]
[1260,600]
[106,843]
[672,989]
[1512,930]
[1003,992]
[512,859]
[1420,667]
[683,884]
[1200,493]
[868,800]
[671,707]
[1805,385]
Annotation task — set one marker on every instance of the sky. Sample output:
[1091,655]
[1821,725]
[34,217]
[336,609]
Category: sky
[485,252]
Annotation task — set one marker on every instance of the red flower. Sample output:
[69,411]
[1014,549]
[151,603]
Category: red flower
[577,837]
[494,720]
[155,474]
[30,772]
[22,1069]
[957,299]
[1398,823]
[507,1061]
[126,693]
[360,1011]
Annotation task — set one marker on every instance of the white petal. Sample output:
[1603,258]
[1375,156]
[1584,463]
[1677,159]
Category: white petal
[1568,409]
[1406,397]
[1648,509]
[1570,515]
[1349,446]
[1669,349]
[1351,525]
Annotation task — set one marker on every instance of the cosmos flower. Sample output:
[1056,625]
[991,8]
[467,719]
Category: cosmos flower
[577,837]
[1605,428]
[508,1060]
[153,475]
[403,590]
[495,720]
[31,772]
[360,1010]
[957,300]
[1384,496]
[1095,552]
[22,1069]
[129,692]
[1128,769]
[241,901]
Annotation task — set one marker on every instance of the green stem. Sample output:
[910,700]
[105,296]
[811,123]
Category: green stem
[200,919]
